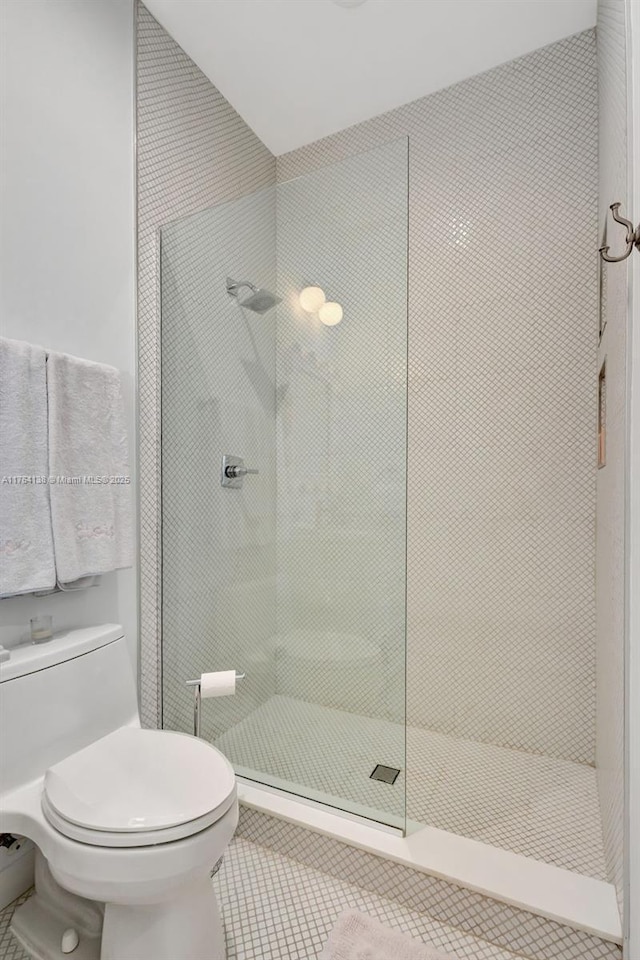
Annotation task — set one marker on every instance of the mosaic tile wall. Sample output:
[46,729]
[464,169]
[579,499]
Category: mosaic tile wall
[502,314]
[610,575]
[194,151]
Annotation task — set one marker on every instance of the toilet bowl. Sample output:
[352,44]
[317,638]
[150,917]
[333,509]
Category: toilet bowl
[129,821]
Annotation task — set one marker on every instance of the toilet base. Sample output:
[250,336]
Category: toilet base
[187,927]
[39,932]
[39,924]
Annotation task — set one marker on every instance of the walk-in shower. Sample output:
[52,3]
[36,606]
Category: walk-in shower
[298,578]
[295,577]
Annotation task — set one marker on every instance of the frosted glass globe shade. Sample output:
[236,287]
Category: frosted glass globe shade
[312,298]
[330,313]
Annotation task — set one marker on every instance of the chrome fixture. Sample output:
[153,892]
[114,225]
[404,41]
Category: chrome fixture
[632,239]
[233,471]
[259,300]
[197,701]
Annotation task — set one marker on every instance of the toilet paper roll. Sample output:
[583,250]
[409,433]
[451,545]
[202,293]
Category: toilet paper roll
[222,683]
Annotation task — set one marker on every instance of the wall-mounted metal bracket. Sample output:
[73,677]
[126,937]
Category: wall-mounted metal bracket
[632,239]
[197,703]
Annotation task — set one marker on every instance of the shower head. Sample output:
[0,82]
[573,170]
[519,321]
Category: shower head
[258,300]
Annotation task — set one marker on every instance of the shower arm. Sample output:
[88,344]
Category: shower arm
[234,285]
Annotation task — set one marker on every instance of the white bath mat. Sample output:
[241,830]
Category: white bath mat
[359,937]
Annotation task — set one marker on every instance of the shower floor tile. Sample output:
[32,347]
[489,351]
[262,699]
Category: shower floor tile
[277,909]
[534,805]
[330,752]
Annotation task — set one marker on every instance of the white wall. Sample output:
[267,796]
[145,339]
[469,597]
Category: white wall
[632,900]
[610,538]
[67,256]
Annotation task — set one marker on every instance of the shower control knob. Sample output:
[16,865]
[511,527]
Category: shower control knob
[233,471]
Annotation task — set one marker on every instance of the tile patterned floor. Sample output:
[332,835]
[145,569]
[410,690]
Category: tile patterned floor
[330,752]
[9,948]
[534,805]
[277,909]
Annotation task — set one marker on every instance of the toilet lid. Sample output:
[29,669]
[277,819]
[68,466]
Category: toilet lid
[137,780]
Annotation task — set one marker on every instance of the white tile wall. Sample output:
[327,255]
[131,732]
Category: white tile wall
[194,151]
[610,489]
[502,312]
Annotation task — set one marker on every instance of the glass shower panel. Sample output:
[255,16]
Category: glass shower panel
[298,578]
[218,396]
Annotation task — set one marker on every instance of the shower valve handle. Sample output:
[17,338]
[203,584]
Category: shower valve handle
[235,470]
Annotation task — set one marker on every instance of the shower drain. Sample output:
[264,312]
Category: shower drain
[385,774]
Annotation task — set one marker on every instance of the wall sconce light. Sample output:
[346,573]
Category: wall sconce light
[330,313]
[312,299]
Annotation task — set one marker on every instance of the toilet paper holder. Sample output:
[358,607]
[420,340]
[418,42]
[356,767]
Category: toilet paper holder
[197,701]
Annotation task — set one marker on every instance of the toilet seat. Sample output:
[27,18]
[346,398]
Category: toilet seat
[137,788]
[103,838]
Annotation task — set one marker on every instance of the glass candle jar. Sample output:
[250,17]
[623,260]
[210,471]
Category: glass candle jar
[41,628]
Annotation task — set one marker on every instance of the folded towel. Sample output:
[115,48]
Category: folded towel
[88,460]
[26,544]
[359,937]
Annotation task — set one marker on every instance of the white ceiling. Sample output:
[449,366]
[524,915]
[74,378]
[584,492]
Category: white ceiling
[298,70]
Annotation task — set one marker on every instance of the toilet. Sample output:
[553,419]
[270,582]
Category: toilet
[128,823]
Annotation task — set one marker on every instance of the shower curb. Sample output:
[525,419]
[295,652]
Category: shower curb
[504,925]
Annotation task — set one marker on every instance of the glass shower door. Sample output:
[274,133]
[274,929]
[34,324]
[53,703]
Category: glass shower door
[296,578]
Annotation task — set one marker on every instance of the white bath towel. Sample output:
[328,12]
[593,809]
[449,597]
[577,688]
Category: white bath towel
[90,486]
[359,937]
[26,544]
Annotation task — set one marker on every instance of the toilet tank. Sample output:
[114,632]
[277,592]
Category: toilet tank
[59,696]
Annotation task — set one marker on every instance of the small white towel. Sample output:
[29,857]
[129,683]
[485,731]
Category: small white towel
[90,486]
[26,544]
[358,937]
